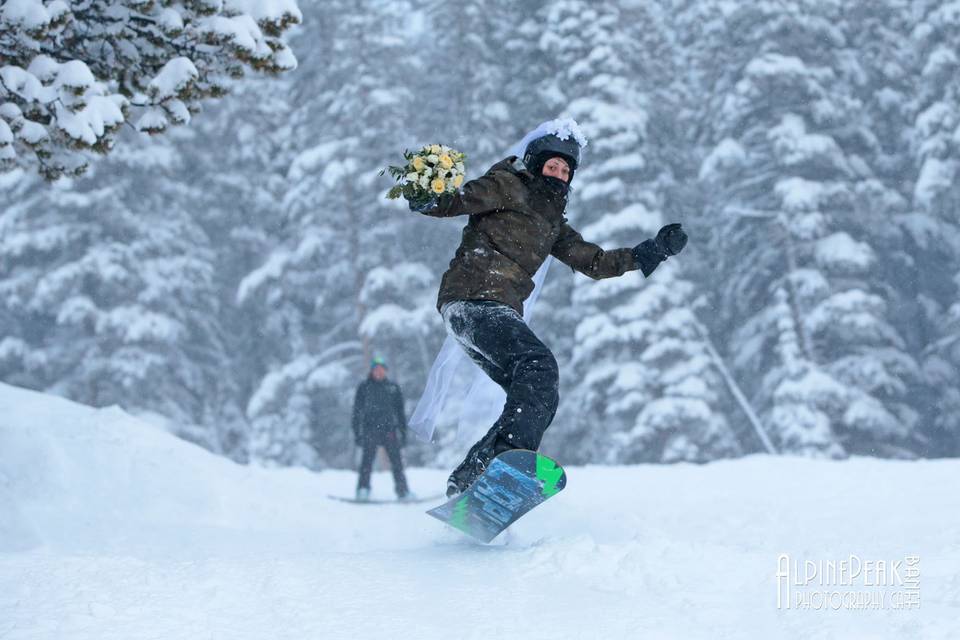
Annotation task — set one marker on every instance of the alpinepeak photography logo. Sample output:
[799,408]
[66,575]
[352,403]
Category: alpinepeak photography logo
[848,583]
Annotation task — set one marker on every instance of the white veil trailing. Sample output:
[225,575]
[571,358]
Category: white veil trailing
[485,399]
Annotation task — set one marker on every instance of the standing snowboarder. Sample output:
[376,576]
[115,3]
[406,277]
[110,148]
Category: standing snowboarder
[379,420]
[516,219]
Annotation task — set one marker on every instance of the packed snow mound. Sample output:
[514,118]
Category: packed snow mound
[69,471]
[112,528]
[76,478]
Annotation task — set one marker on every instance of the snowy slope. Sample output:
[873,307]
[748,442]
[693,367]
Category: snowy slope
[111,528]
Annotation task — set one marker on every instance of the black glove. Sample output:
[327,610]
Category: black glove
[421,204]
[671,239]
[648,256]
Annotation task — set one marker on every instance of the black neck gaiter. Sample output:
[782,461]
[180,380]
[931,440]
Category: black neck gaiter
[554,190]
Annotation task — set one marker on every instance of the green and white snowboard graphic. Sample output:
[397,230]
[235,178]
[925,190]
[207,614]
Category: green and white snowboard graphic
[515,482]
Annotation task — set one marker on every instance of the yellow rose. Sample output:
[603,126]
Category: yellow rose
[435,148]
[418,163]
[438,185]
[445,161]
[458,181]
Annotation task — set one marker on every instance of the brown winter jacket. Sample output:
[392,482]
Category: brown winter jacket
[513,226]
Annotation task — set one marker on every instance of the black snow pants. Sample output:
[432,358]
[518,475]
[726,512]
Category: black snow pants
[495,337]
[391,444]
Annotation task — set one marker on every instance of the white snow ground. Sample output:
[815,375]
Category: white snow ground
[110,528]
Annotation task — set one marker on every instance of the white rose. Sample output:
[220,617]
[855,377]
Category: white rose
[428,172]
[425,182]
[412,177]
[459,167]
[433,158]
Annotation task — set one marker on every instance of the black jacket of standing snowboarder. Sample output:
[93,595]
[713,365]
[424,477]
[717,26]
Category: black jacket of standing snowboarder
[379,420]
[516,219]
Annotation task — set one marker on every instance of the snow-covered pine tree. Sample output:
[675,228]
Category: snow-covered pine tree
[236,176]
[879,37]
[479,86]
[300,291]
[935,223]
[71,74]
[644,389]
[108,295]
[350,118]
[792,240]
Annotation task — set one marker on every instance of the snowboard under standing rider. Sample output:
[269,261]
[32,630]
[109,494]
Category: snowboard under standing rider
[515,220]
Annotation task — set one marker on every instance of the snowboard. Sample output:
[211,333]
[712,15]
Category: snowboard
[515,482]
[394,501]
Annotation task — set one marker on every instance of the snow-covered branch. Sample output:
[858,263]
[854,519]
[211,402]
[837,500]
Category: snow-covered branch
[73,73]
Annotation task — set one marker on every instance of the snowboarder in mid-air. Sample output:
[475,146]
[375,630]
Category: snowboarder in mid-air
[515,220]
[379,420]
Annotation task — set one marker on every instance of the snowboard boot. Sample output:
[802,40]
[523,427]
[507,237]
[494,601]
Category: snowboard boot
[475,463]
[363,495]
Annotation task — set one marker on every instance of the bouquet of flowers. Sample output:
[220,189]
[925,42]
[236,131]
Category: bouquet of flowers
[434,170]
